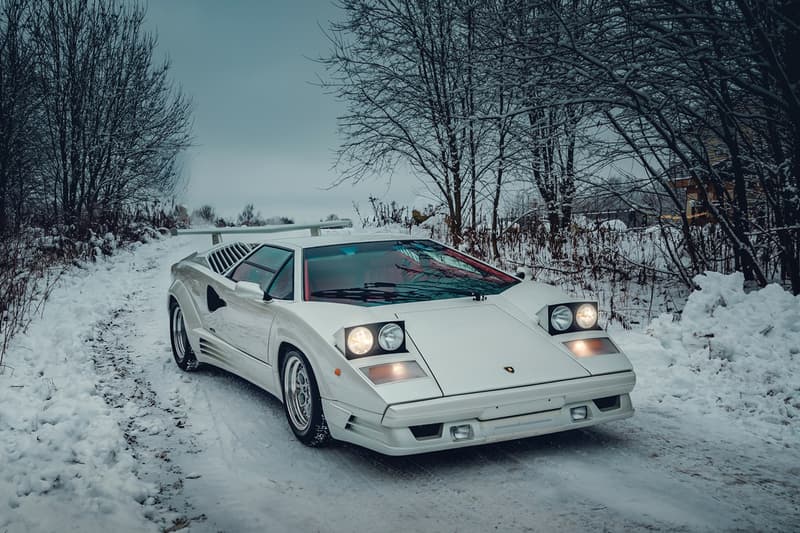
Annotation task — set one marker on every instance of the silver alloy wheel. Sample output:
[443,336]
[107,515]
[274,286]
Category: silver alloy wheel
[178,334]
[297,392]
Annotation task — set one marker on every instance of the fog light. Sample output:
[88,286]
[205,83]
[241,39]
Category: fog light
[578,413]
[463,432]
[590,347]
[392,372]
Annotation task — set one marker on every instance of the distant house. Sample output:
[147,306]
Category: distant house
[698,205]
[598,206]
[700,197]
[697,208]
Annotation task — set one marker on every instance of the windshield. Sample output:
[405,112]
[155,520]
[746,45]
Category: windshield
[379,273]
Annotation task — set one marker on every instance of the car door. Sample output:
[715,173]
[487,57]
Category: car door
[248,318]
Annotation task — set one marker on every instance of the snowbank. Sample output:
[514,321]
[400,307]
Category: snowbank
[735,351]
[65,465]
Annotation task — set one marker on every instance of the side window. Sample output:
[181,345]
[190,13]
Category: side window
[282,286]
[269,258]
[249,272]
[261,266]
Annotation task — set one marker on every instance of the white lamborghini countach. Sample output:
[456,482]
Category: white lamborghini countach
[398,344]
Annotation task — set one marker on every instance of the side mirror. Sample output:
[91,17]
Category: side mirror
[248,289]
[520,274]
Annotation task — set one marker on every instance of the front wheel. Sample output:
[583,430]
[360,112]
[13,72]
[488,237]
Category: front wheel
[301,401]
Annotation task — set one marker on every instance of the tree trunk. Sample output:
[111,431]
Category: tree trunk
[791,37]
[497,190]
[3,216]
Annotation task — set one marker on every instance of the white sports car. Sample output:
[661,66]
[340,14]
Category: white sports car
[398,344]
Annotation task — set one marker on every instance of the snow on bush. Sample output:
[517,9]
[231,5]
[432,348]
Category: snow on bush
[736,350]
[615,225]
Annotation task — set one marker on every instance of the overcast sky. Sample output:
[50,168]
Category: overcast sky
[264,133]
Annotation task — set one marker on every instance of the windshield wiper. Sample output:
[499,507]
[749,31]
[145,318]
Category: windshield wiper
[427,287]
[366,294]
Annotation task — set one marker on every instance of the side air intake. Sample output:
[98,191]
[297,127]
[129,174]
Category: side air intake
[210,349]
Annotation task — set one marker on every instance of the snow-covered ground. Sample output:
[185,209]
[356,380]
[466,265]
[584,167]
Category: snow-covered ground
[100,431]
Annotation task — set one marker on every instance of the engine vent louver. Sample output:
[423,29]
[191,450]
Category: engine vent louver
[224,257]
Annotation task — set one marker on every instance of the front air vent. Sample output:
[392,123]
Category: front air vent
[366,428]
[609,403]
[426,431]
[224,257]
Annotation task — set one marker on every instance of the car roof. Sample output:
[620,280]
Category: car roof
[328,239]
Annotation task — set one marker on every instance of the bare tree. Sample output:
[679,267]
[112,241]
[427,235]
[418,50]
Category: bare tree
[18,114]
[704,88]
[405,70]
[541,129]
[90,127]
[551,91]
[249,217]
[494,60]
[114,123]
[205,214]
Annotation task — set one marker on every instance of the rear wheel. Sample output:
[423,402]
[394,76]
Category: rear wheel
[301,401]
[181,349]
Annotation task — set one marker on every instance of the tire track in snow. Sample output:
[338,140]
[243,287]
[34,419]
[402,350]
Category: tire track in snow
[147,420]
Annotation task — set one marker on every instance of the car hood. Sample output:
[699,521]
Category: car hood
[467,344]
[478,346]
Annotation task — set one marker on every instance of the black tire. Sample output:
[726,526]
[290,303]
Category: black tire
[301,401]
[181,348]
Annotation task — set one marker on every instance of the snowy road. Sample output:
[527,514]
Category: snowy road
[224,459]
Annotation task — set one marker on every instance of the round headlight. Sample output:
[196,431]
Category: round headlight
[360,340]
[586,316]
[561,319]
[390,337]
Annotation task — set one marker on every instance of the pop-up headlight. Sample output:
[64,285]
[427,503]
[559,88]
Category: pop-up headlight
[561,318]
[360,341]
[391,337]
[570,317]
[586,316]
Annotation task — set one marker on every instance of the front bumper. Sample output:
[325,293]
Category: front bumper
[492,416]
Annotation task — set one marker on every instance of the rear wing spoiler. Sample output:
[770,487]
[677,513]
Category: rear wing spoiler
[217,233]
